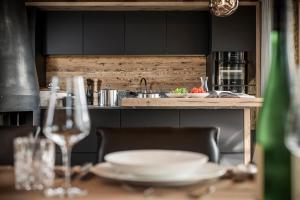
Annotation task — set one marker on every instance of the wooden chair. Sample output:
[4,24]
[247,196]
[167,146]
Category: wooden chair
[203,140]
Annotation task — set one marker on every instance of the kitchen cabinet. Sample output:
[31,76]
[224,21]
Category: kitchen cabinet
[99,118]
[63,34]
[231,128]
[187,32]
[149,118]
[145,33]
[103,33]
[236,32]
[126,33]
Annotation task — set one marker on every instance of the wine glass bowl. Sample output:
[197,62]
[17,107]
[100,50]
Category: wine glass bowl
[66,126]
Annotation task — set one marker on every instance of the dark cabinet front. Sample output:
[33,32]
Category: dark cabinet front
[187,32]
[145,33]
[63,35]
[236,32]
[126,33]
[103,33]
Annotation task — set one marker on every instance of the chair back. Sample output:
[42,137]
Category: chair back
[202,140]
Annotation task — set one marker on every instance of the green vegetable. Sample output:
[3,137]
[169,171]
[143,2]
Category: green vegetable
[180,91]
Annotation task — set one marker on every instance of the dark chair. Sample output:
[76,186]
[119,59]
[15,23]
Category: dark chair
[7,135]
[203,140]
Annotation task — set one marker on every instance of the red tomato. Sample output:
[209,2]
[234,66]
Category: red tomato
[200,90]
[195,90]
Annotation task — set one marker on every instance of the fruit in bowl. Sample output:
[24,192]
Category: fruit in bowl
[197,90]
[180,91]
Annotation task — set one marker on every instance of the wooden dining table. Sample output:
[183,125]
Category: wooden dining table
[99,188]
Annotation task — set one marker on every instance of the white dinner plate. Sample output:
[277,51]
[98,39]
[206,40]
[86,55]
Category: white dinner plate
[158,163]
[206,172]
[176,95]
[198,95]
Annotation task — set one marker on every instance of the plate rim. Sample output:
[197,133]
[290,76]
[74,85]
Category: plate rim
[177,181]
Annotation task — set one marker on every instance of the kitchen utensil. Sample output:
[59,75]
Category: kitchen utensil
[156,163]
[108,97]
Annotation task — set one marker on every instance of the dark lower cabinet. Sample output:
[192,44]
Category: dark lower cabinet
[149,118]
[230,123]
[99,118]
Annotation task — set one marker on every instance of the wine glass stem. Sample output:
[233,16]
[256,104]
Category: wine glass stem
[66,156]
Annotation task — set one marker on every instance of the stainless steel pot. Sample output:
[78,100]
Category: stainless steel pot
[108,97]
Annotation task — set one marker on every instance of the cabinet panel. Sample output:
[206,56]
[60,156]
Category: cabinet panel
[145,33]
[230,123]
[99,118]
[103,33]
[63,33]
[187,32]
[149,118]
[236,32]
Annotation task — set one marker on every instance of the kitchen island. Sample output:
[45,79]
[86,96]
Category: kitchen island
[244,104]
[231,115]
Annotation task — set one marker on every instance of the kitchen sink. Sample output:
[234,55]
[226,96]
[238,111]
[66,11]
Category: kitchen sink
[148,95]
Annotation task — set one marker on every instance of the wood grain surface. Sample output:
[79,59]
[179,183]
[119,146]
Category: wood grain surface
[206,103]
[99,188]
[125,72]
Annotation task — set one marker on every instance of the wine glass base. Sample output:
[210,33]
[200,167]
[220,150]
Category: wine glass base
[65,192]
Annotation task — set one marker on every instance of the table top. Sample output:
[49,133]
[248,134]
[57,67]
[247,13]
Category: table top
[99,188]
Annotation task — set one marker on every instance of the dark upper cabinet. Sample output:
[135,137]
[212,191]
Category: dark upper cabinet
[187,32]
[103,33]
[63,33]
[236,32]
[145,33]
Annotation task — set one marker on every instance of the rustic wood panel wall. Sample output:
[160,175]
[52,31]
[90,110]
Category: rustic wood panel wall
[125,72]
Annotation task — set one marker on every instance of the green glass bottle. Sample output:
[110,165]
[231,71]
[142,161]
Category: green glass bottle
[274,156]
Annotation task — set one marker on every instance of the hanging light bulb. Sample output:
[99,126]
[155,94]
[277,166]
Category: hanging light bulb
[223,8]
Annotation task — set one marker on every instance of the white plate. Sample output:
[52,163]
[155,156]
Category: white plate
[158,163]
[198,95]
[176,95]
[207,171]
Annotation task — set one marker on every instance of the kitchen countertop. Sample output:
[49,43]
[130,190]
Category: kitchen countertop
[192,103]
[182,103]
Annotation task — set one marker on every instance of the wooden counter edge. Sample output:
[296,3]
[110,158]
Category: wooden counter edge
[213,103]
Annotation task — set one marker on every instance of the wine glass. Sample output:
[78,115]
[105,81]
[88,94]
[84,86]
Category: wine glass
[66,126]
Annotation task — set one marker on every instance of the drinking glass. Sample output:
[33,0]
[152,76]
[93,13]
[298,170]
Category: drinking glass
[34,163]
[66,126]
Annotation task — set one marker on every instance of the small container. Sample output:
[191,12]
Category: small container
[108,97]
[34,163]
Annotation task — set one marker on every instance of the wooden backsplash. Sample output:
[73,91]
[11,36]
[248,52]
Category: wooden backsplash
[125,72]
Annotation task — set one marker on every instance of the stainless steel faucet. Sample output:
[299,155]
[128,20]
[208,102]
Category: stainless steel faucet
[145,85]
